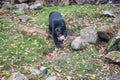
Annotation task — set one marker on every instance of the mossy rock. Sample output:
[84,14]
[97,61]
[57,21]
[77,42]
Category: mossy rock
[114,56]
[114,43]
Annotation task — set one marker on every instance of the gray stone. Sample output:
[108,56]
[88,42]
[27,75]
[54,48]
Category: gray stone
[23,18]
[78,43]
[115,77]
[18,76]
[114,43]
[7,5]
[69,78]
[44,69]
[52,78]
[65,2]
[114,56]
[89,34]
[3,78]
[37,6]
[108,14]
[34,71]
[20,8]
[22,1]
[82,1]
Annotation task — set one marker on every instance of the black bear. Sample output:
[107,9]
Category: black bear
[57,28]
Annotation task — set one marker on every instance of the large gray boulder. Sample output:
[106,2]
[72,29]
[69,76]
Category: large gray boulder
[114,43]
[78,43]
[18,76]
[89,34]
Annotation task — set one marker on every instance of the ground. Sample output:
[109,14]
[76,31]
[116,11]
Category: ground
[19,52]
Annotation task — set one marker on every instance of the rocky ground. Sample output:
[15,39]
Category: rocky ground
[91,51]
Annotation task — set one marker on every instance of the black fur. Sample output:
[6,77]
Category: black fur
[57,27]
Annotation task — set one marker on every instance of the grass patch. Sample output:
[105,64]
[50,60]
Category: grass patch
[4,24]
[67,11]
[17,49]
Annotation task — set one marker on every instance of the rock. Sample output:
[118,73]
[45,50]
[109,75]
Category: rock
[115,77]
[42,2]
[44,69]
[114,56]
[20,8]
[111,1]
[22,1]
[82,1]
[3,78]
[78,43]
[69,78]
[108,14]
[37,6]
[32,77]
[31,30]
[18,76]
[65,2]
[114,43]
[52,78]
[7,5]
[34,71]
[89,34]
[23,18]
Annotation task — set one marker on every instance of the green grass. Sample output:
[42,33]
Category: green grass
[4,24]
[68,11]
[17,49]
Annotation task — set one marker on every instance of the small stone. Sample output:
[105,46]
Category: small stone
[65,2]
[22,1]
[115,77]
[37,6]
[18,76]
[32,77]
[52,78]
[23,18]
[78,43]
[3,78]
[108,14]
[69,78]
[34,71]
[44,69]
[61,38]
